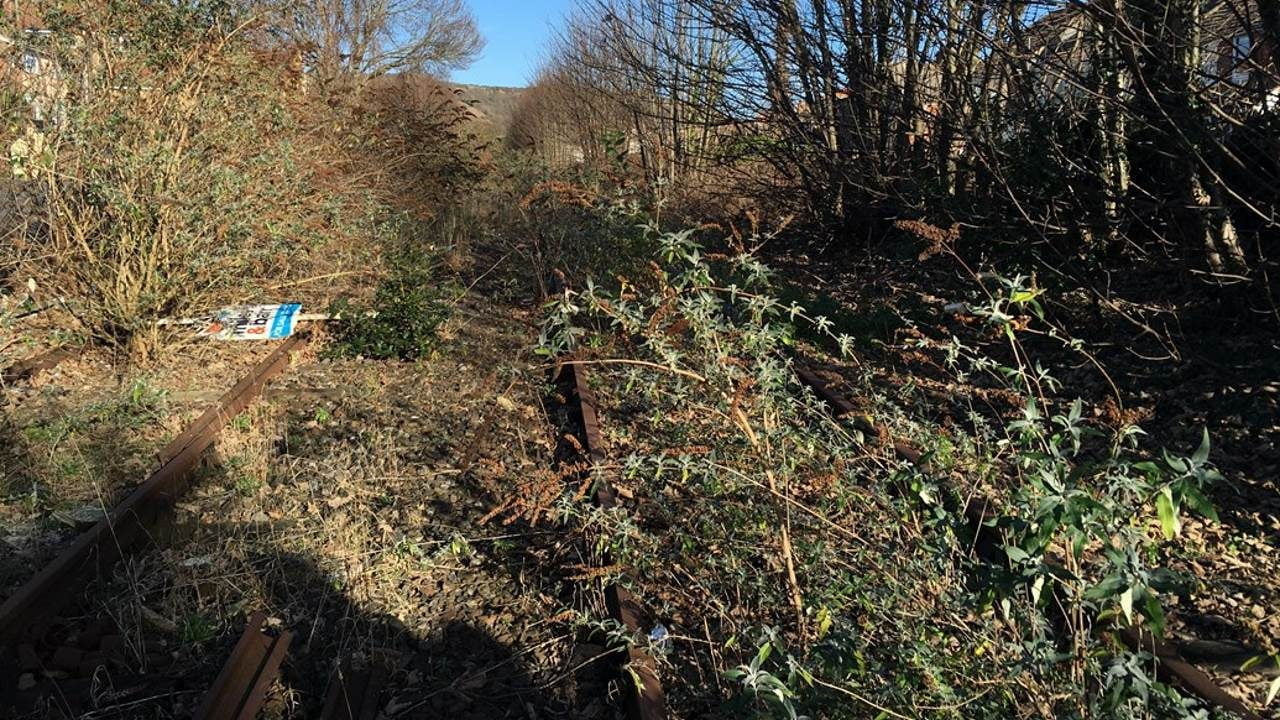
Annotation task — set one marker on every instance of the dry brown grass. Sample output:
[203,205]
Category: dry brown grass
[188,173]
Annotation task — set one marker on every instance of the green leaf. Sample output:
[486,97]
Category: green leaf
[1168,512]
[1154,613]
[1105,589]
[1147,468]
[1037,588]
[824,621]
[1198,502]
[1126,603]
[765,651]
[1178,465]
[1202,453]
[1015,553]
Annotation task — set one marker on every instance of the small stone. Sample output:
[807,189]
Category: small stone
[1259,612]
[26,681]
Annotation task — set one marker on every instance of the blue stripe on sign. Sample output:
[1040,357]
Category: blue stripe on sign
[282,325]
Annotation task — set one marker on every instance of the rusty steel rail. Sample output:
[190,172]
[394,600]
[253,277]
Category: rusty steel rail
[234,401]
[353,694]
[643,696]
[30,368]
[241,687]
[1172,666]
[127,525]
[842,408]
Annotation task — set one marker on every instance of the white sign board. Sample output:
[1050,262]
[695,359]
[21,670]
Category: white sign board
[251,322]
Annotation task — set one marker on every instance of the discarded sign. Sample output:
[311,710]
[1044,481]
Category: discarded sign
[251,322]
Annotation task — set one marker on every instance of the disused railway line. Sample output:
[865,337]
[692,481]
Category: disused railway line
[644,697]
[25,616]
[31,368]
[638,681]
[62,664]
[127,526]
[239,690]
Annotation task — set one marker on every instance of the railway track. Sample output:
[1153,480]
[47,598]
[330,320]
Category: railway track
[239,689]
[643,696]
[26,616]
[31,368]
[51,657]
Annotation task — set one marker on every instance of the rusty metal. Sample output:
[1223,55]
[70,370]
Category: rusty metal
[1174,667]
[643,697]
[1171,664]
[128,525]
[30,369]
[353,694]
[841,407]
[241,687]
[235,400]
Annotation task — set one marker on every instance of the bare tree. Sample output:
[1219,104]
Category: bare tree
[1134,129]
[374,37]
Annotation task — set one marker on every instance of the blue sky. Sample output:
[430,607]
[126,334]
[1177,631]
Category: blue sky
[516,33]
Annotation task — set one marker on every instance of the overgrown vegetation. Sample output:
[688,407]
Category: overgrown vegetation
[181,162]
[964,201]
[767,520]
[400,321]
[1137,135]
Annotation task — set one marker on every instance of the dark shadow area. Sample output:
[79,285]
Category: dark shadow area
[88,666]
[453,669]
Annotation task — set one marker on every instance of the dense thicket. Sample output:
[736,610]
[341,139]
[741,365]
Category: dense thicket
[1137,131]
[180,157]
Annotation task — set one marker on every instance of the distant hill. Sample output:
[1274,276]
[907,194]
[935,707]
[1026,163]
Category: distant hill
[493,106]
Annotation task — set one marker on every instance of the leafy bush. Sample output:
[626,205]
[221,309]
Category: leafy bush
[159,161]
[184,164]
[406,310]
[553,223]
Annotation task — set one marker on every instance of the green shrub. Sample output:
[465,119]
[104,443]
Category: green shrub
[402,320]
